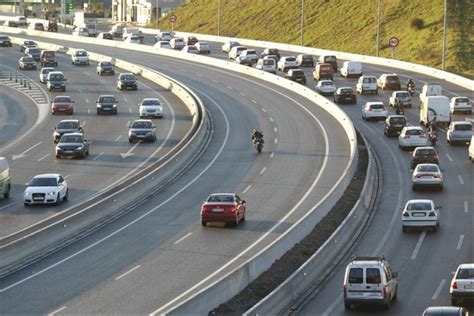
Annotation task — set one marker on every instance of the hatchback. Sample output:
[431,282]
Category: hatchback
[459,132]
[305,60]
[296,75]
[345,95]
[203,47]
[394,125]
[374,110]
[424,155]
[411,137]
[190,49]
[427,175]
[462,284]
[460,105]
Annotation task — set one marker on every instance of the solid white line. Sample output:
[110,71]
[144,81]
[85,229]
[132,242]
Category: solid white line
[460,179]
[438,290]
[43,157]
[272,155]
[254,101]
[5,206]
[418,245]
[461,239]
[31,148]
[242,94]
[271,119]
[102,80]
[264,110]
[83,123]
[449,158]
[128,272]
[118,137]
[229,87]
[182,238]
[98,156]
[128,123]
[466,206]
[276,141]
[215,81]
[57,311]
[246,189]
[263,170]
[275,129]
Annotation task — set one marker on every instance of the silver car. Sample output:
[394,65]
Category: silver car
[142,130]
[462,284]
[374,110]
[411,137]
[459,132]
[427,175]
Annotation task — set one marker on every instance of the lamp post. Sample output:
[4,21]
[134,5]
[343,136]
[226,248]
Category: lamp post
[443,63]
[302,23]
[157,19]
[218,17]
[378,28]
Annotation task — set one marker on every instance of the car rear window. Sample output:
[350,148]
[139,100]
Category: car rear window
[290,59]
[347,91]
[221,198]
[462,127]
[307,57]
[465,274]
[330,59]
[273,51]
[43,182]
[414,132]
[251,52]
[393,78]
[426,152]
[419,206]
[33,50]
[427,168]
[327,83]
[376,106]
[369,80]
[269,62]
[462,100]
[356,275]
[372,276]
[62,99]
[398,120]
[67,125]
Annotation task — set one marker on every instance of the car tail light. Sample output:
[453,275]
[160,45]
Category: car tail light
[422,136]
[385,290]
[405,214]
[432,214]
[406,137]
[418,176]
[436,176]
[454,285]
[436,158]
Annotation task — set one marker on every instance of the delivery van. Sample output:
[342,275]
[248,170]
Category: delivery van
[323,71]
[435,107]
[5,184]
[430,90]
[351,69]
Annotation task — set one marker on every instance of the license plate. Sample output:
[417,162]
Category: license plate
[468,286]
[427,177]
[38,199]
[130,88]
[62,109]
[348,99]
[218,210]
[419,214]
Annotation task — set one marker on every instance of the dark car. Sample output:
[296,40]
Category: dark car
[389,81]
[66,126]
[345,95]
[72,145]
[271,51]
[5,41]
[10,24]
[305,60]
[142,130]
[424,155]
[127,81]
[244,60]
[445,311]
[394,125]
[48,58]
[27,44]
[296,75]
[106,104]
[62,104]
[105,67]
[52,26]
[33,52]
[27,62]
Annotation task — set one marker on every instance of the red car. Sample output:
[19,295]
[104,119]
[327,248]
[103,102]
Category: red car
[62,104]
[223,207]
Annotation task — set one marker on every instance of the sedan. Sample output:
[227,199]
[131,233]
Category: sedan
[105,67]
[191,49]
[411,137]
[223,207]
[150,107]
[27,62]
[46,189]
[62,104]
[105,35]
[427,175]
[326,87]
[420,214]
[142,130]
[27,44]
[374,110]
[462,284]
[163,45]
[345,95]
[106,104]
[296,75]
[72,145]
[459,132]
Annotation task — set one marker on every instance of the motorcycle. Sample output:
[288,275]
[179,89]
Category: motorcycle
[399,110]
[433,137]
[258,143]
[411,90]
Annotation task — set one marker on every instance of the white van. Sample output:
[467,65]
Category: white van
[367,84]
[127,31]
[267,64]
[435,107]
[351,69]
[471,149]
[430,90]
[5,184]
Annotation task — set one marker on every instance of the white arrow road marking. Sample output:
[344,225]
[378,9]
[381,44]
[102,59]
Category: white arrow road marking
[118,137]
[129,152]
[246,189]
[44,157]
[23,154]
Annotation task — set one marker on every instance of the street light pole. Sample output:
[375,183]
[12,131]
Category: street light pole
[302,23]
[157,19]
[378,28]
[218,17]
[443,64]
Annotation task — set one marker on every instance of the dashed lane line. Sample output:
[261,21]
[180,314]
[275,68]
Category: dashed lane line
[438,290]
[460,241]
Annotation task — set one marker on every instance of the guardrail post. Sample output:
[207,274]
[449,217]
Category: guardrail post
[11,76]
[29,86]
[24,83]
[16,79]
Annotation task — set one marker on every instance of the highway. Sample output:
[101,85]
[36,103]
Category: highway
[159,259]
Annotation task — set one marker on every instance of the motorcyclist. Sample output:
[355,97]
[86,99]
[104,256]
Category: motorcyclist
[257,135]
[433,128]
[399,107]
[410,83]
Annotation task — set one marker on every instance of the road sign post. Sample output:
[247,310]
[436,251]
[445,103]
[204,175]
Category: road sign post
[172,20]
[393,43]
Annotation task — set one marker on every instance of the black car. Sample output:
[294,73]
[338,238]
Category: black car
[345,95]
[424,155]
[52,26]
[66,126]
[296,75]
[106,104]
[5,41]
[271,51]
[394,125]
[105,67]
[27,44]
[305,60]
[72,145]
[127,81]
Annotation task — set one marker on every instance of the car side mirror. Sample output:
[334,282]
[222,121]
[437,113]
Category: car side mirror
[394,274]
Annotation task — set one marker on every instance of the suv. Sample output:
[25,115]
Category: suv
[369,280]
[79,56]
[106,104]
[52,26]
[56,81]
[462,284]
[389,81]
[127,81]
[394,125]
[424,155]
[296,75]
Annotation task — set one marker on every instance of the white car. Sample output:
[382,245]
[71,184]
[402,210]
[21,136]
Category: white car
[228,46]
[44,73]
[326,87]
[267,64]
[420,214]
[79,56]
[46,189]
[105,35]
[286,63]
[402,96]
[177,43]
[81,31]
[164,36]
[411,137]
[459,132]
[427,175]
[133,39]
[235,51]
[163,45]
[203,47]
[191,49]
[460,104]
[150,107]
[251,54]
[367,84]
[374,110]
[462,284]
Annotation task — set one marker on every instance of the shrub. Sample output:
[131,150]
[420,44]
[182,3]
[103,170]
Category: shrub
[417,23]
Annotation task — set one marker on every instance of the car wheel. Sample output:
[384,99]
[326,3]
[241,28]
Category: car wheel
[347,306]
[26,204]
[413,187]
[58,199]
[454,301]
[6,195]
[404,229]
[441,187]
[203,223]
[98,112]
[65,198]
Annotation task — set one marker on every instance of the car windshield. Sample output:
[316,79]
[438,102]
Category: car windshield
[151,102]
[221,198]
[251,52]
[419,206]
[127,77]
[178,40]
[298,73]
[430,168]
[268,62]
[33,51]
[327,83]
[414,132]
[273,51]
[142,124]
[369,80]
[43,182]
[90,26]
[46,71]
[71,139]
[465,274]
[376,106]
[290,59]
[307,57]
[462,100]
[28,60]
[68,125]
[81,53]
[106,100]
[62,100]
[106,64]
[28,43]
[347,91]
[48,54]
[462,127]
[330,58]
[56,77]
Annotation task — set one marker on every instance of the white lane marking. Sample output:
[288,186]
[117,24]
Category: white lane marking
[129,110]
[102,80]
[118,137]
[182,238]
[271,119]
[229,87]
[128,272]
[275,129]
[449,158]
[264,110]
[272,155]
[242,94]
[263,170]
[67,176]
[14,157]
[57,311]
[83,123]
[460,179]
[461,239]
[125,99]
[128,123]
[5,206]
[87,100]
[215,81]
[276,141]
[98,156]
[438,290]
[246,189]
[44,157]
[86,73]
[466,206]
[254,101]
[88,111]
[418,245]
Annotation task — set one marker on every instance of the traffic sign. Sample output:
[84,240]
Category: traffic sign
[69,7]
[393,41]
[172,18]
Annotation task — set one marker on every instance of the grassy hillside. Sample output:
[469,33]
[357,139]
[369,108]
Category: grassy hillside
[344,25]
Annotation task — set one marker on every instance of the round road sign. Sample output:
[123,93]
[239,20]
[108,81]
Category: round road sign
[172,18]
[393,41]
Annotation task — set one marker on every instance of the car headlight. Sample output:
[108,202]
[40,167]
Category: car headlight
[115,105]
[79,148]
[51,193]
[27,193]
[99,105]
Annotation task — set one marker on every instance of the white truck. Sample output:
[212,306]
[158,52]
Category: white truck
[430,90]
[87,20]
[435,107]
